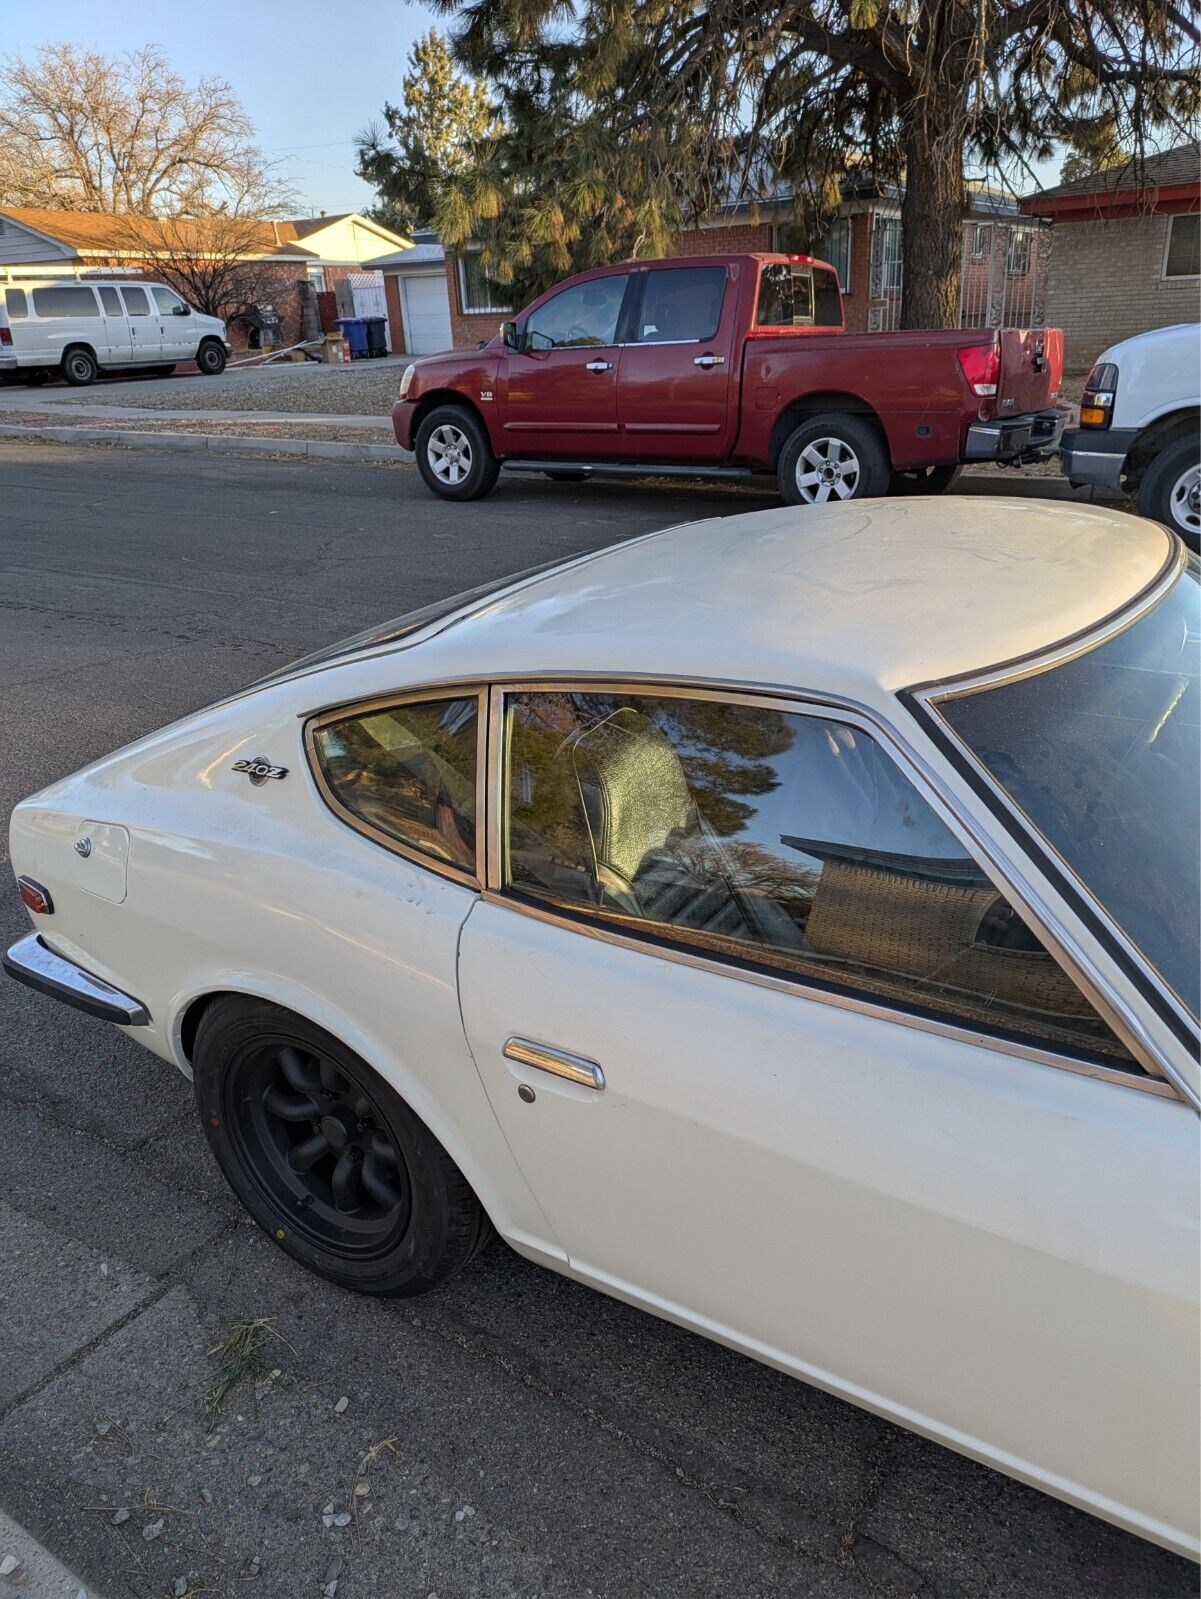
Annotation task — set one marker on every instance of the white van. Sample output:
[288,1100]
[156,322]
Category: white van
[76,329]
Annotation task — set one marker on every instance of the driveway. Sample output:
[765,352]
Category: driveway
[515,1434]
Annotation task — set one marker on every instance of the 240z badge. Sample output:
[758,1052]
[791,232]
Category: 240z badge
[258,769]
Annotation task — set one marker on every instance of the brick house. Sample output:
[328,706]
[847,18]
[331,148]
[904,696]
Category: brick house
[294,260]
[1126,255]
[1004,265]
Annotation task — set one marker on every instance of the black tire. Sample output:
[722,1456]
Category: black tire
[849,446]
[455,437]
[1170,491]
[381,1208]
[567,477]
[79,367]
[925,480]
[211,358]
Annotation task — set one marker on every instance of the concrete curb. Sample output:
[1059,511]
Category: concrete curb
[221,443]
[41,1574]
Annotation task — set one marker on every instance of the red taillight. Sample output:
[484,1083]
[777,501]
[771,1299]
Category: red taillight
[37,899]
[981,365]
[6,335]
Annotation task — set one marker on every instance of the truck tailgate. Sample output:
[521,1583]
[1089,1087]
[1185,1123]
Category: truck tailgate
[1031,370]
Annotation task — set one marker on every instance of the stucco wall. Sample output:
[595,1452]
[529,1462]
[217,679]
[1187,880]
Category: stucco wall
[1106,283]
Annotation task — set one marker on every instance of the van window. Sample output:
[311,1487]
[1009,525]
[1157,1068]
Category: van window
[136,302]
[15,304]
[169,304]
[111,301]
[67,299]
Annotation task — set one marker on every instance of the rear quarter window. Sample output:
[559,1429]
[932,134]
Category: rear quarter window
[16,304]
[796,295]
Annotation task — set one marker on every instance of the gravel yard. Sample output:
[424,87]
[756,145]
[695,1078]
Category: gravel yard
[365,388]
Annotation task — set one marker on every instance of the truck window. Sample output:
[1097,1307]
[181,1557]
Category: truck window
[584,314]
[681,305]
[793,296]
[65,300]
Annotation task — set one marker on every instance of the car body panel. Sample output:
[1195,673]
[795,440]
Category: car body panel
[1158,372]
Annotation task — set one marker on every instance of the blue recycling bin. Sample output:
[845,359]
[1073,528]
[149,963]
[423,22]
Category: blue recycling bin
[354,331]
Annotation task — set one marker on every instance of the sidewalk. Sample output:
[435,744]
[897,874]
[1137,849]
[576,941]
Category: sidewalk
[29,1569]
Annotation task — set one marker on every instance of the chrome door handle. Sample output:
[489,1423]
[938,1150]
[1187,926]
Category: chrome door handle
[709,360]
[557,1061]
[599,366]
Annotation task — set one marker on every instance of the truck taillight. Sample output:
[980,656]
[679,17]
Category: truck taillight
[981,365]
[6,335]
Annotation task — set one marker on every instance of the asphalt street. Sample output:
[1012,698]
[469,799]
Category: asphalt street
[516,1434]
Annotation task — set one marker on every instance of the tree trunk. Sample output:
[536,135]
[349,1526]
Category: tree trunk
[932,215]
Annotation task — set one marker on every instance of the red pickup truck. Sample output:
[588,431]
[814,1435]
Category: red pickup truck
[724,366]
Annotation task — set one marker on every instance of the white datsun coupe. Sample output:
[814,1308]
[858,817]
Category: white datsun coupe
[787,923]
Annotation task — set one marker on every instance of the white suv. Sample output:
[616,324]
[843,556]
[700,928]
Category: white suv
[1140,426]
[77,329]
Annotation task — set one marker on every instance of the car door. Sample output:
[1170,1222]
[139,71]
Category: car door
[145,335]
[116,326]
[674,387]
[176,328]
[559,394]
[778,1061]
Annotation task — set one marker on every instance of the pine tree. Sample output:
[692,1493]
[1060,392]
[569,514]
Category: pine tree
[624,119]
[425,140]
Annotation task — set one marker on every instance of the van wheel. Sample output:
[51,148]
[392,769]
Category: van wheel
[454,454]
[326,1157]
[1170,490]
[925,480]
[210,358]
[79,367]
[830,458]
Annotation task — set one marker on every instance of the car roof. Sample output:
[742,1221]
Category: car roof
[856,600]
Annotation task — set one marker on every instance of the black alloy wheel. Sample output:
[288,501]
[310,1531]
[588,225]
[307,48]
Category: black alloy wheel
[320,1147]
[326,1156]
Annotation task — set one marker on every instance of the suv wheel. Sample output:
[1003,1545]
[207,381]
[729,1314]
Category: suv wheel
[1170,490]
[454,454]
[833,457]
[79,367]
[326,1157]
[210,358]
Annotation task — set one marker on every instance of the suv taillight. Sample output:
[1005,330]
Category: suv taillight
[981,365]
[1096,403]
[6,335]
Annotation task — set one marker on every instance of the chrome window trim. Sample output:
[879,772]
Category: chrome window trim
[420,696]
[1066,950]
[929,697]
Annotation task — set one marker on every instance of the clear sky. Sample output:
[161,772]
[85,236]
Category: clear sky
[310,75]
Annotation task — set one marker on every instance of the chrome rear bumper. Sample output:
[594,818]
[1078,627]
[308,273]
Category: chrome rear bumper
[34,963]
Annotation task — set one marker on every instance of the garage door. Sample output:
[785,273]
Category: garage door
[427,313]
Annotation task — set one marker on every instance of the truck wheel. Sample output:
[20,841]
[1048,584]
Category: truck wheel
[327,1158]
[79,367]
[1171,490]
[925,480]
[210,358]
[833,457]
[454,455]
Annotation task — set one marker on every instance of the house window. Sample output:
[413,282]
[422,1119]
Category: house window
[1182,256]
[892,275]
[474,292]
[981,240]
[1017,259]
[836,249]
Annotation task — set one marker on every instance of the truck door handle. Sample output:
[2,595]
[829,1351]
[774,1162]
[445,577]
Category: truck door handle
[599,366]
[709,360]
[557,1061]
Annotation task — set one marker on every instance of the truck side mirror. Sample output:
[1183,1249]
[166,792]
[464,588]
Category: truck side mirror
[510,335]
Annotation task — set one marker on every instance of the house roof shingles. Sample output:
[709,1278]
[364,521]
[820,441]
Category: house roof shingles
[1169,170]
[107,233]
